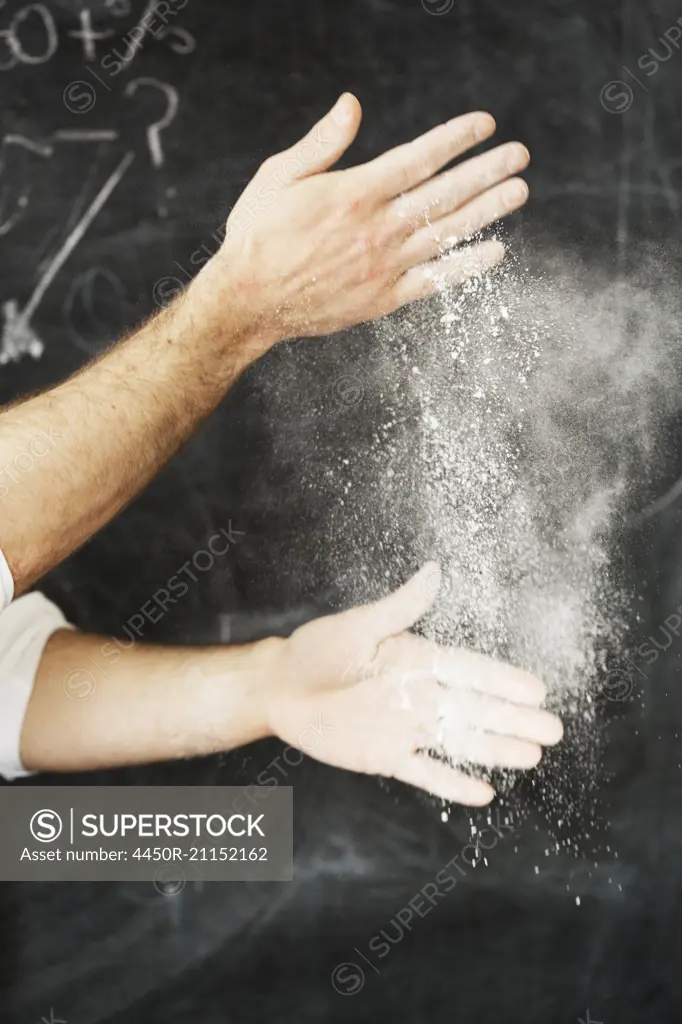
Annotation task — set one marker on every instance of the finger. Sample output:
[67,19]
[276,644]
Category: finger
[500,717]
[450,191]
[363,629]
[492,751]
[324,144]
[430,242]
[440,780]
[447,272]
[457,667]
[405,167]
[405,606]
[530,724]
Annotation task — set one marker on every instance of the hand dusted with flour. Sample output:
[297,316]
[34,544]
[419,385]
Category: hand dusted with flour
[322,250]
[390,699]
[376,698]
[310,251]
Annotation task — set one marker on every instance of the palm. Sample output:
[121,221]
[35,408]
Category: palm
[364,694]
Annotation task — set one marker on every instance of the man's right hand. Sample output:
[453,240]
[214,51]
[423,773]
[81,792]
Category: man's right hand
[309,251]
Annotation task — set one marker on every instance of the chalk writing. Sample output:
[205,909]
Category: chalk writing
[32,16]
[81,302]
[154,130]
[7,222]
[88,35]
[31,37]
[185,41]
[17,334]
[12,37]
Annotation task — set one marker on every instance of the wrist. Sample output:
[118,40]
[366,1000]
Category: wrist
[230,314]
[245,681]
[267,677]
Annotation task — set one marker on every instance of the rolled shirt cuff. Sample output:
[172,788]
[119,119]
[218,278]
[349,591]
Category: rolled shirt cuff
[6,583]
[25,627]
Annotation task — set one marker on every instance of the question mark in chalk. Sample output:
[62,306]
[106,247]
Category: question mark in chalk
[154,130]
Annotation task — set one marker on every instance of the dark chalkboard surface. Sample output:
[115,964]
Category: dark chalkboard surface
[124,142]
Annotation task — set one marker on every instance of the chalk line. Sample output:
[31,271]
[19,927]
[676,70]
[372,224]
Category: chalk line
[73,239]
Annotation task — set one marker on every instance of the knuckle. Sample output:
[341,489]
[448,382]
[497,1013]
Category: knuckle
[371,255]
[401,221]
[385,235]
[466,138]
[419,157]
[401,171]
[407,176]
[471,136]
[351,206]
[366,244]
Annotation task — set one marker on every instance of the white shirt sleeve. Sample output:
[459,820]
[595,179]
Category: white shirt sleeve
[25,627]
[6,583]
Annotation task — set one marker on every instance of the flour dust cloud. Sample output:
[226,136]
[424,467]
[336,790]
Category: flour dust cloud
[542,399]
[508,430]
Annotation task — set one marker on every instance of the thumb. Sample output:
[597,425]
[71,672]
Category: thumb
[353,636]
[401,609]
[327,141]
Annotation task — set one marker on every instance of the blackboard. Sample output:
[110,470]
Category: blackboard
[110,179]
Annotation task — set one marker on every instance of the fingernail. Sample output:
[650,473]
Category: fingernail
[341,113]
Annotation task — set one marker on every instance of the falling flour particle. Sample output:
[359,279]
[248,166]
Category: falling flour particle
[541,400]
[507,429]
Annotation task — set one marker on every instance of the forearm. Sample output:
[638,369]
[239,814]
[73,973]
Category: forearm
[73,457]
[88,711]
[305,253]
